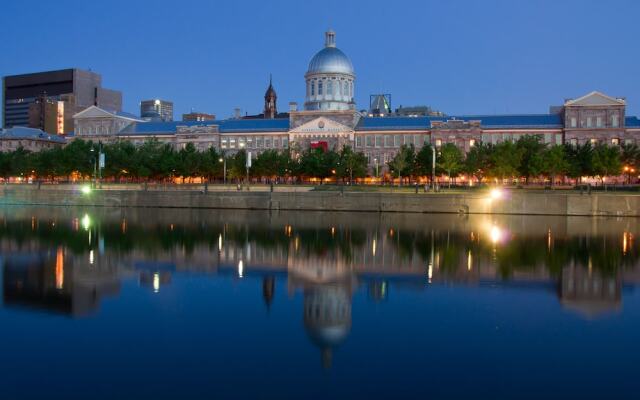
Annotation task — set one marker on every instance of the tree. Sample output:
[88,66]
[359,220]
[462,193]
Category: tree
[237,165]
[554,162]
[351,164]
[267,164]
[580,161]
[450,160]
[531,149]
[319,163]
[505,160]
[606,161]
[121,158]
[424,161]
[478,161]
[189,162]
[404,162]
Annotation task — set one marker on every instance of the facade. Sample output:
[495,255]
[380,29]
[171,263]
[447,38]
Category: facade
[156,110]
[97,122]
[30,139]
[47,114]
[329,120]
[198,116]
[76,88]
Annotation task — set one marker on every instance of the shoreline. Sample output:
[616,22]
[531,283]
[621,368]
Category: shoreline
[512,202]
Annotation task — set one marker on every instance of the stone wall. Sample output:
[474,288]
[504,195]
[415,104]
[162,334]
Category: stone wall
[519,203]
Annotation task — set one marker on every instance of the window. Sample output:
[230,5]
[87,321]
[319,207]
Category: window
[232,143]
[472,142]
[378,140]
[494,139]
[285,142]
[599,122]
[224,143]
[369,140]
[276,143]
[259,142]
[358,141]
[615,141]
[329,88]
[319,88]
[574,122]
[408,139]
[438,142]
[345,89]
[242,142]
[250,142]
[628,142]
[593,141]
[388,141]
[416,140]
[614,121]
[547,138]
[396,140]
[313,88]
[485,138]
[558,138]
[506,137]
[589,122]
[267,143]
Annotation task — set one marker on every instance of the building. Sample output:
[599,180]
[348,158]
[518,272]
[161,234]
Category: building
[198,116]
[29,139]
[98,122]
[76,88]
[329,119]
[47,114]
[156,110]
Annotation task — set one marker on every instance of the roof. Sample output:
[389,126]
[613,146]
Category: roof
[21,132]
[632,122]
[545,121]
[224,126]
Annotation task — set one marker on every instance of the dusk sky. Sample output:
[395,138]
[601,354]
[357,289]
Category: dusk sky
[460,57]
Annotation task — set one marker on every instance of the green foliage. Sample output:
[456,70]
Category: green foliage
[351,164]
[478,161]
[450,160]
[505,160]
[404,163]
[531,151]
[318,163]
[606,160]
[554,162]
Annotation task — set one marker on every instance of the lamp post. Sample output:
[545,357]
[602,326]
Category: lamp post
[433,168]
[95,165]
[375,161]
[223,160]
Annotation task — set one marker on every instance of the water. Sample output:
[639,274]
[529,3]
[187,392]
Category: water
[111,303]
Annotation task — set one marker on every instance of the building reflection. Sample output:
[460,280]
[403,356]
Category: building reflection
[61,267]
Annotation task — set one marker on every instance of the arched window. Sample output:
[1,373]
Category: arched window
[313,88]
[329,88]
[345,89]
[320,88]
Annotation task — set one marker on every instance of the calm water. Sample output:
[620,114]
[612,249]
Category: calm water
[110,303]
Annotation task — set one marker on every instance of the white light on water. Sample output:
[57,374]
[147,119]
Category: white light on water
[86,222]
[240,268]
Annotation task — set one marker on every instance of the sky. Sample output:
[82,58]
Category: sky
[460,57]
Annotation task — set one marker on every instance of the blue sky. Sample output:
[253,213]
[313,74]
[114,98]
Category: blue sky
[461,57]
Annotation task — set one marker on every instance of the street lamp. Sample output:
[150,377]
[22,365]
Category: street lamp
[375,161]
[224,169]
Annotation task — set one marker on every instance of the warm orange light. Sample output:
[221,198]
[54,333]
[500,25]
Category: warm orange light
[59,268]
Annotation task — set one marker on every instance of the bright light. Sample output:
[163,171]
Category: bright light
[496,234]
[156,282]
[86,222]
[86,189]
[220,242]
[91,257]
[240,268]
[496,194]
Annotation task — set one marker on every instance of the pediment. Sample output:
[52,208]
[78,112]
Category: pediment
[595,99]
[322,125]
[93,112]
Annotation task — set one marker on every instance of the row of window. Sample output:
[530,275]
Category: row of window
[259,142]
[329,87]
[391,140]
[594,122]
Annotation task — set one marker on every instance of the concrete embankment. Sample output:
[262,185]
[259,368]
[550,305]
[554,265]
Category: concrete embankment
[519,202]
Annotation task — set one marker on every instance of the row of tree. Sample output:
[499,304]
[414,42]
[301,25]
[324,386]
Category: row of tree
[528,158]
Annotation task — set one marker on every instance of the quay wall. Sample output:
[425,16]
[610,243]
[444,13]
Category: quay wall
[518,202]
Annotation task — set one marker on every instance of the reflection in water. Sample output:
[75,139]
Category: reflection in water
[69,261]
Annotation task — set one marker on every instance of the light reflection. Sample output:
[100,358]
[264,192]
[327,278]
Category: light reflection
[469,260]
[220,242]
[86,222]
[240,268]
[156,282]
[496,234]
[91,257]
[59,268]
[373,247]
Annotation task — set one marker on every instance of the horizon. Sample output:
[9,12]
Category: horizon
[498,58]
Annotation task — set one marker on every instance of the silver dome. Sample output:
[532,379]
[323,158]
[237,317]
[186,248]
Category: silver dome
[330,60]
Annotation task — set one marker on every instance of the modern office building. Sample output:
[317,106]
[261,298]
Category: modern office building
[198,116]
[156,110]
[330,120]
[47,114]
[76,88]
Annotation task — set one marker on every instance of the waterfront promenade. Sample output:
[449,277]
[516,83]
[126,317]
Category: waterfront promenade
[502,201]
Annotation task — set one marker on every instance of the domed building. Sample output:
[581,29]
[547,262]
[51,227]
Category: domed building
[330,79]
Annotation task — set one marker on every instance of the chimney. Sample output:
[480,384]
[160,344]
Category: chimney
[293,106]
[236,113]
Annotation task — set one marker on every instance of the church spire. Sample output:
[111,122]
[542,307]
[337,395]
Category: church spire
[270,98]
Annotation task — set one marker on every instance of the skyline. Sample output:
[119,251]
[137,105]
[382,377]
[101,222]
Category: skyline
[497,57]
